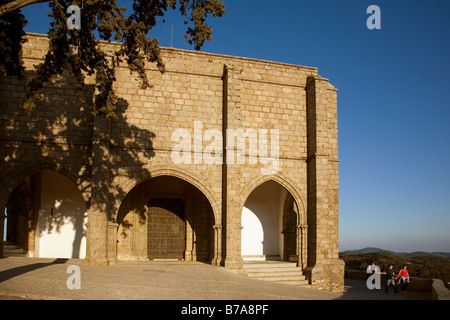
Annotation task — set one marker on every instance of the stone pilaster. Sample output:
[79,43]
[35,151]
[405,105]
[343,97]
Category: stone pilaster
[231,170]
[100,227]
[324,270]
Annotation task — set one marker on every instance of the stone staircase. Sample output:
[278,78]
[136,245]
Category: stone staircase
[277,271]
[10,249]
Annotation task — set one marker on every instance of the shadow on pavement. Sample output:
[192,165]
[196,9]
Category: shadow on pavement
[17,271]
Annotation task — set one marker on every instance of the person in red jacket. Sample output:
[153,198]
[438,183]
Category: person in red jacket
[404,278]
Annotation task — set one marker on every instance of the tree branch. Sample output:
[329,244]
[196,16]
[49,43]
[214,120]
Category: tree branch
[17,4]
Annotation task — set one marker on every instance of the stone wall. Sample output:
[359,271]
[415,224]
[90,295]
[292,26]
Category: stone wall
[435,286]
[439,291]
[199,93]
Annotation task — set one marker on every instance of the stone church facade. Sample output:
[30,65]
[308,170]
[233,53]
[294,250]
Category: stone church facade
[223,160]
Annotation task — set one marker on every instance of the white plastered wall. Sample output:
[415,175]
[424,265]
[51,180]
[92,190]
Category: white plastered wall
[261,236]
[60,231]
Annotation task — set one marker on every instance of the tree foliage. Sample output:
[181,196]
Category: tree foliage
[80,53]
[11,39]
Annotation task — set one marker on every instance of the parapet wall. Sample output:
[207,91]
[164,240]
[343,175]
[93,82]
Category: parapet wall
[439,291]
[435,286]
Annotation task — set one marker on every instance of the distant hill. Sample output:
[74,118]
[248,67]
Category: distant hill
[365,250]
[420,264]
[400,254]
[417,254]
[444,254]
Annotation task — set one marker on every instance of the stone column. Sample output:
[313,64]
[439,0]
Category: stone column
[217,258]
[112,242]
[190,249]
[302,245]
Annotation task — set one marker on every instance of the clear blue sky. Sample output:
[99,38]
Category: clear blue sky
[393,103]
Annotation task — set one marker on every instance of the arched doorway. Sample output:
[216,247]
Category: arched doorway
[46,216]
[269,224]
[165,218]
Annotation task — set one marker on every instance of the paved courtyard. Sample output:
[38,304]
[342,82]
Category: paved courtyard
[46,279]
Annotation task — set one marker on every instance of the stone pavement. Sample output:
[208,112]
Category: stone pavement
[46,279]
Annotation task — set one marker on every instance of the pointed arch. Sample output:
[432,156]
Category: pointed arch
[46,211]
[203,229]
[193,179]
[296,234]
[284,182]
[16,176]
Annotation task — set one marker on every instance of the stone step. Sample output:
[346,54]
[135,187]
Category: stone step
[13,250]
[287,271]
[254,258]
[303,283]
[273,273]
[276,278]
[282,272]
[270,265]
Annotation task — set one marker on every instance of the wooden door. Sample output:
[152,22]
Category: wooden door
[166,229]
